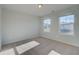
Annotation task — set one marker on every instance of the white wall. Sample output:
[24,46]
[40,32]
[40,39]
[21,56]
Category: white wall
[18,26]
[55,35]
[0,27]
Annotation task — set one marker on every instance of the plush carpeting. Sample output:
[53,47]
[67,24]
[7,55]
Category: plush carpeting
[46,45]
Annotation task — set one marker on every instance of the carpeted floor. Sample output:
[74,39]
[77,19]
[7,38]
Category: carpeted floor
[46,45]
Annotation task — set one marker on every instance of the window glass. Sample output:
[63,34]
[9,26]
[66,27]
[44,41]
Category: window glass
[46,25]
[66,24]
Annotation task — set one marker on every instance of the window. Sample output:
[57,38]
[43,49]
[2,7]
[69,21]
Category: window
[67,24]
[46,25]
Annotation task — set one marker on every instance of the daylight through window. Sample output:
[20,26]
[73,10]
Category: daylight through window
[46,25]
[67,24]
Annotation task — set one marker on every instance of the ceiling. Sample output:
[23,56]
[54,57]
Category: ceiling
[32,9]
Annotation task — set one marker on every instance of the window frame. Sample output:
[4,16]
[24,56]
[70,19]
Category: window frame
[59,29]
[49,26]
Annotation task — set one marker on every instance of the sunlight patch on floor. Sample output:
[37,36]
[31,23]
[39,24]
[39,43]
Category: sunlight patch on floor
[53,53]
[8,52]
[25,47]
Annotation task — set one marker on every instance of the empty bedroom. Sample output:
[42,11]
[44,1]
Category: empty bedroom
[39,29]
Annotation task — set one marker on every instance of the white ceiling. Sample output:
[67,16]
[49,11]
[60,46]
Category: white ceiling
[34,10]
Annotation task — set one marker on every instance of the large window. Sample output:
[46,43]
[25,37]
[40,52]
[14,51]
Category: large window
[46,25]
[67,24]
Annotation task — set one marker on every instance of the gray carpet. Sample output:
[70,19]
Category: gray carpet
[46,45]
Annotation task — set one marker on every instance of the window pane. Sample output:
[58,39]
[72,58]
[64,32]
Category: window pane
[66,24]
[46,24]
[67,19]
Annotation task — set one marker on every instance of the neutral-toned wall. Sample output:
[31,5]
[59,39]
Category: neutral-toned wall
[54,33]
[18,26]
[0,26]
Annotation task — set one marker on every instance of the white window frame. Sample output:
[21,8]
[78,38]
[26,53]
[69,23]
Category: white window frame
[64,33]
[48,29]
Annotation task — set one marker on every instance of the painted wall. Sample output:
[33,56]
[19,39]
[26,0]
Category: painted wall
[0,27]
[54,33]
[18,26]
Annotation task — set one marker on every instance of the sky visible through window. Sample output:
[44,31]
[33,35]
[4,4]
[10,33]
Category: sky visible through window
[67,19]
[46,24]
[66,24]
